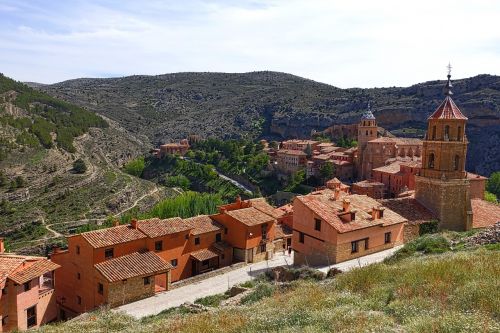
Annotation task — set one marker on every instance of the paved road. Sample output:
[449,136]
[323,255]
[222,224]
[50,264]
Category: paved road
[211,286]
[219,284]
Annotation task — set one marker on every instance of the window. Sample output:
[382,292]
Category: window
[204,263]
[225,231]
[218,237]
[187,236]
[78,249]
[317,224]
[459,133]
[301,237]
[222,256]
[158,245]
[78,276]
[387,237]
[433,132]
[262,248]
[78,300]
[5,320]
[366,243]
[197,241]
[173,262]
[31,316]
[431,161]
[100,288]
[109,253]
[446,132]
[27,286]
[4,291]
[147,280]
[354,247]
[456,162]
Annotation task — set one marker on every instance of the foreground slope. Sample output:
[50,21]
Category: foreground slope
[451,292]
[280,105]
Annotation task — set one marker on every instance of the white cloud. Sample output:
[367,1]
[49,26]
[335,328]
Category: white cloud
[344,43]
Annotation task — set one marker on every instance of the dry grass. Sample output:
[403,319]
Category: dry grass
[451,292]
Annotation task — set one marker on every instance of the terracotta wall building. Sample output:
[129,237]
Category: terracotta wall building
[371,188]
[27,298]
[290,161]
[179,148]
[331,227]
[124,263]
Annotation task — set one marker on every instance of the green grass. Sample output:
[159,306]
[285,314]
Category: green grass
[449,292]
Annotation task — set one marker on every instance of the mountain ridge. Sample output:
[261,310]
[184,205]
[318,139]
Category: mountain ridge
[278,105]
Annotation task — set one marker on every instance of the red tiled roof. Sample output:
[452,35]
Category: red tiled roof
[291,152]
[8,265]
[202,224]
[262,205]
[132,265]
[473,176]
[410,209]
[368,183]
[250,216]
[484,213]
[204,254]
[448,110]
[156,227]
[36,269]
[390,168]
[111,236]
[283,231]
[327,209]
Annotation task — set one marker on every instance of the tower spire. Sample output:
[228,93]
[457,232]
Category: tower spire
[447,88]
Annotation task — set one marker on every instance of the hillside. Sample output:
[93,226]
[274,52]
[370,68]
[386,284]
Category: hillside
[41,195]
[279,105]
[450,292]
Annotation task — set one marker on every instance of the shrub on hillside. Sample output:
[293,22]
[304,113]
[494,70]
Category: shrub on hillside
[135,167]
[430,227]
[79,166]
[178,181]
[427,244]
[261,291]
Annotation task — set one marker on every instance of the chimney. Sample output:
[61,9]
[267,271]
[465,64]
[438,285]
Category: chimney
[116,223]
[133,223]
[222,210]
[55,249]
[238,199]
[336,194]
[2,245]
[377,213]
[347,216]
[346,205]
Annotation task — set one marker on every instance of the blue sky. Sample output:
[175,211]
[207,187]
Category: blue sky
[343,43]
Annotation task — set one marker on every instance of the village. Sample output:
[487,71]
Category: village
[382,191]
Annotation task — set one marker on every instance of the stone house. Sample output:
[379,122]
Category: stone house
[27,298]
[332,226]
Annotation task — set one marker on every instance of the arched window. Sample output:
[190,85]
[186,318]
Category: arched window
[459,133]
[366,132]
[430,163]
[456,162]
[371,132]
[433,132]
[447,132]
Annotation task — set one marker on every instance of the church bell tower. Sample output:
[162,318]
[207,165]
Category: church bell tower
[442,184]
[367,131]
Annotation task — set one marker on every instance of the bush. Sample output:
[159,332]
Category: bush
[135,167]
[20,182]
[213,300]
[187,204]
[79,166]
[490,197]
[430,227]
[178,181]
[427,244]
[261,291]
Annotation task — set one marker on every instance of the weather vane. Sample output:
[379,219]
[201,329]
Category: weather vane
[449,68]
